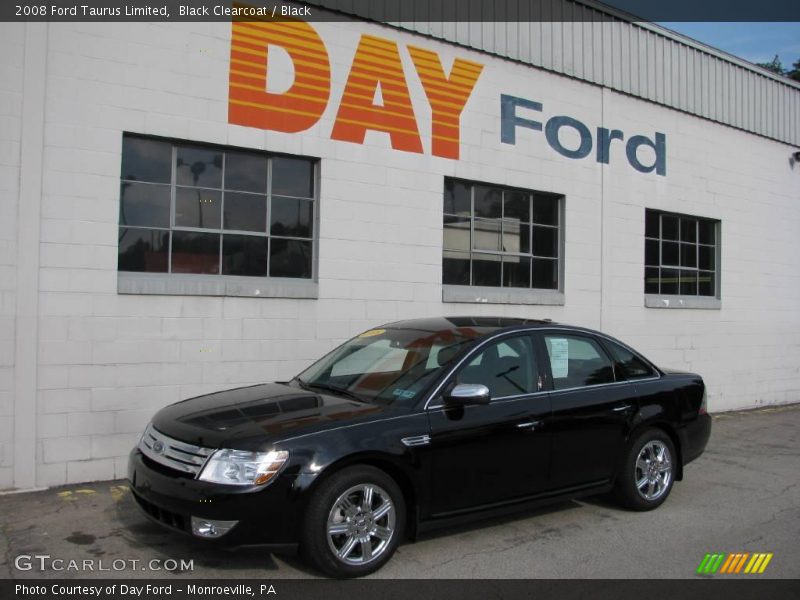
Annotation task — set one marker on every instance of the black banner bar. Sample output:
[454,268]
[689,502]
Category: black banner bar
[740,587]
[393,11]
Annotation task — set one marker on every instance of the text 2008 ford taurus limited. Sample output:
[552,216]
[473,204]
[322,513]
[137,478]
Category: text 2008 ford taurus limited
[417,424]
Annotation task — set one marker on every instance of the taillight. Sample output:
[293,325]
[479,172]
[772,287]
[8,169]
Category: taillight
[704,403]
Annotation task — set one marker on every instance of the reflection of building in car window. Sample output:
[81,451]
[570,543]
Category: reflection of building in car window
[502,368]
[577,362]
[377,357]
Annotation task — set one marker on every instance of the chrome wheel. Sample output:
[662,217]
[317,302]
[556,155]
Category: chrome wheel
[653,470]
[361,524]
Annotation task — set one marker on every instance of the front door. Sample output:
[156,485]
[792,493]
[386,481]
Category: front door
[488,454]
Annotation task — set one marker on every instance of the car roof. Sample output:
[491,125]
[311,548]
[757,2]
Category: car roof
[478,327]
[482,326]
[477,324]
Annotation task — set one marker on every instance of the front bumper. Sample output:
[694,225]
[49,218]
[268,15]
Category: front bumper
[269,515]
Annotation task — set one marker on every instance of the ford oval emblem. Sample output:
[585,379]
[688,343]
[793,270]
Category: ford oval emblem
[158,447]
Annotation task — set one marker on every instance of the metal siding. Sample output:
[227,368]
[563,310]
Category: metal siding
[765,104]
[705,83]
[632,37]
[783,111]
[719,91]
[747,117]
[525,41]
[650,66]
[663,64]
[771,108]
[725,90]
[582,41]
[598,64]
[557,51]
[641,63]
[757,114]
[760,95]
[677,75]
[741,92]
[596,44]
[775,107]
[535,28]
[547,45]
[485,36]
[610,71]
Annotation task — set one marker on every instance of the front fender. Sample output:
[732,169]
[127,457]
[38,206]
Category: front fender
[318,456]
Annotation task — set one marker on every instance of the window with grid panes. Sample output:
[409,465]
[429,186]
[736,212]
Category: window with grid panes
[500,237]
[199,209]
[680,255]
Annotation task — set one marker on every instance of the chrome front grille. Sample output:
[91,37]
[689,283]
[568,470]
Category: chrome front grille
[172,453]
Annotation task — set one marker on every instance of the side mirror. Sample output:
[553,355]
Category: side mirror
[468,393]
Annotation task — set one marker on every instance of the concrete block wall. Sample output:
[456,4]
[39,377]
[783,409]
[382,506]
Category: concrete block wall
[105,362]
[748,350]
[12,45]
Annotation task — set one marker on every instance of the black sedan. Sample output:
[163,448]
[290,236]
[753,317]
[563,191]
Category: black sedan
[418,424]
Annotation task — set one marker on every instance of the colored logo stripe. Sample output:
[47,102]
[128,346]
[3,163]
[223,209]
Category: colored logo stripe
[758,563]
[710,563]
[733,563]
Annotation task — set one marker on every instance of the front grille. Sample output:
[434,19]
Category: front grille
[161,515]
[177,455]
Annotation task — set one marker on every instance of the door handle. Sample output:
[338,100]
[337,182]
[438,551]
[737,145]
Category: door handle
[529,425]
[622,408]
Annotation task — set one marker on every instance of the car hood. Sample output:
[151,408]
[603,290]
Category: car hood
[255,417]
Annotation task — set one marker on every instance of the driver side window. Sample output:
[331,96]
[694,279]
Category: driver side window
[507,368]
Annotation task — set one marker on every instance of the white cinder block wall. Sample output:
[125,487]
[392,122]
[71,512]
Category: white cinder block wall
[105,362]
[12,47]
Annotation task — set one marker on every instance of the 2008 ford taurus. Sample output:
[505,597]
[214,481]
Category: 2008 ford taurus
[417,424]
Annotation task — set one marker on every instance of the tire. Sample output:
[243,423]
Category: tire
[342,535]
[648,471]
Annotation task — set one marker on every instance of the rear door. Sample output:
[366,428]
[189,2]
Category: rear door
[592,409]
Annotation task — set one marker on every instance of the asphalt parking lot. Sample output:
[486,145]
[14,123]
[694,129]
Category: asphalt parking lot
[742,495]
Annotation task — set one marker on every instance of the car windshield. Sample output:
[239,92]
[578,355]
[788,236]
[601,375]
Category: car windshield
[387,365]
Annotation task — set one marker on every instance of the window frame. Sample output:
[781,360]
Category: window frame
[502,294]
[679,300]
[222,284]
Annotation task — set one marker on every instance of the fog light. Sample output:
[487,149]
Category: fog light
[207,528]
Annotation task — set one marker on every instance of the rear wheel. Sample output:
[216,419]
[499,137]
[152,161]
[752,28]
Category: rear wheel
[354,522]
[648,471]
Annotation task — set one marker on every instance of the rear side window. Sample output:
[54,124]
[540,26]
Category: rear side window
[577,361]
[627,363]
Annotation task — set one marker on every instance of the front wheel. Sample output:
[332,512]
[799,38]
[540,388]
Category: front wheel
[648,471]
[354,522]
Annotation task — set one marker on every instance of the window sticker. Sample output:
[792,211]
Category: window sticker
[559,357]
[372,333]
[401,393]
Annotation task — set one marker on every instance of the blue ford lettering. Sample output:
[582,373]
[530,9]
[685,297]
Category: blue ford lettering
[510,121]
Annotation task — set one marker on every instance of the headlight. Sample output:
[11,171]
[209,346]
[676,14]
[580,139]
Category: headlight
[240,467]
